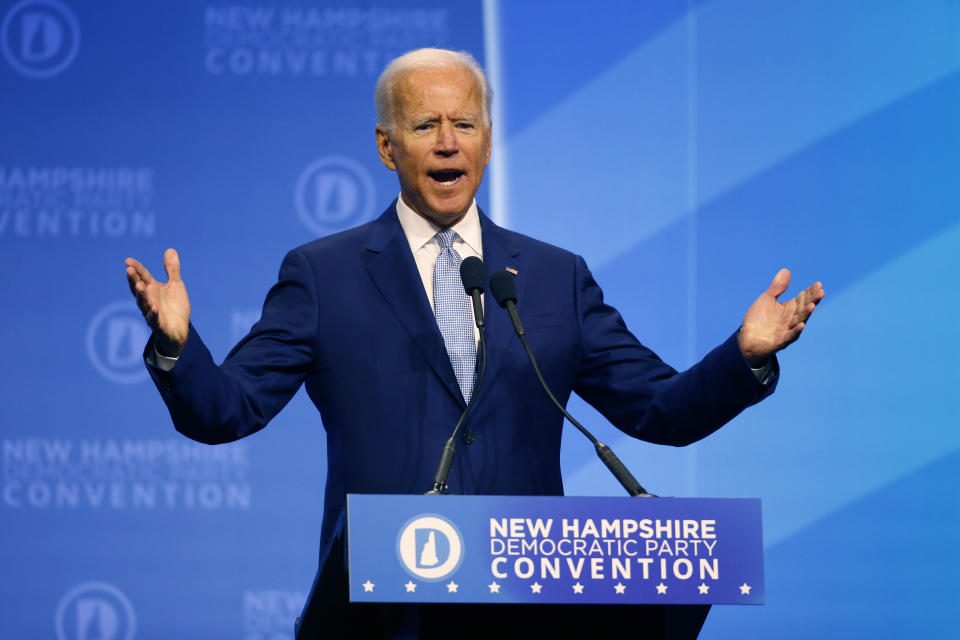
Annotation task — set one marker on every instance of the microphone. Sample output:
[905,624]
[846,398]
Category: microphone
[472,275]
[504,289]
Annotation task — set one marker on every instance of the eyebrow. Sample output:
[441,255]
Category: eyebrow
[462,117]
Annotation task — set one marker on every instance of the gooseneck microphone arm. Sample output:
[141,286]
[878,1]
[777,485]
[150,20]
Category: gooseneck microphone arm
[504,289]
[472,274]
[450,448]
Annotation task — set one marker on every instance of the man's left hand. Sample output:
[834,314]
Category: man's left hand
[769,326]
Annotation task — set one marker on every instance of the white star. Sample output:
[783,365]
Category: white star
[619,587]
[661,589]
[411,587]
[452,587]
[367,586]
[494,587]
[744,589]
[578,588]
[703,588]
[536,587]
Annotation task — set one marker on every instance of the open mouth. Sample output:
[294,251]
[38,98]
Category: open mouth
[447,177]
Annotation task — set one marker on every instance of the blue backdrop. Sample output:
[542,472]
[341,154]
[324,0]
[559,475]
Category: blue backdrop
[686,149]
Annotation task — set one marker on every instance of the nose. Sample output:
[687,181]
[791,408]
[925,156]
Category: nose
[446,143]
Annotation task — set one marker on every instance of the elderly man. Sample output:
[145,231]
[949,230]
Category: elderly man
[373,322]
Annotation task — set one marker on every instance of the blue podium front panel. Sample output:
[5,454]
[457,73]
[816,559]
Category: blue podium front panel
[519,549]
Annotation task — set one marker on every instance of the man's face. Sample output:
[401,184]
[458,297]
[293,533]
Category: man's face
[440,144]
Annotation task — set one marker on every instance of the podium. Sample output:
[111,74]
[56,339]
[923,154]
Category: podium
[520,562]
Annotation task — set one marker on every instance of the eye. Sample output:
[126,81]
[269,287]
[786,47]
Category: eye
[425,126]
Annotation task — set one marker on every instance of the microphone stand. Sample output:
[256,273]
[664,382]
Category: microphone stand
[619,470]
[450,448]
[504,290]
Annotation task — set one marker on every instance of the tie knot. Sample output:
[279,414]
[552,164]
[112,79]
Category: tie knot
[446,238]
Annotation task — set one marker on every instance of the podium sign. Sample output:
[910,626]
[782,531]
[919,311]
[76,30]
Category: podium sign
[569,550]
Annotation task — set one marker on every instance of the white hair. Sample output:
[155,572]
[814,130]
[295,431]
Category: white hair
[425,59]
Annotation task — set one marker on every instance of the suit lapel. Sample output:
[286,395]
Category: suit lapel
[394,272]
[498,254]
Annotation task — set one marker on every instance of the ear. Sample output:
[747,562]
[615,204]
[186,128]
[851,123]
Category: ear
[489,144]
[385,148]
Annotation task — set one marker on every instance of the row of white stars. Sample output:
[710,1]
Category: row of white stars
[536,587]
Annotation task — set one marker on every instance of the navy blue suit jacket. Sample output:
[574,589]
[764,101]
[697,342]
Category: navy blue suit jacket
[350,319]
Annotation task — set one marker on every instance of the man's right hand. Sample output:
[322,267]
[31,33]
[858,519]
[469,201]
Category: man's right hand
[165,307]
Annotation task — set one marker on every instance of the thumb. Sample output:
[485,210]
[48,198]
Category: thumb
[171,264]
[780,283]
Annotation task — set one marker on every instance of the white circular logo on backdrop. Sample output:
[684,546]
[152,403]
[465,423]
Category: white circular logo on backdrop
[115,341]
[430,547]
[40,38]
[95,610]
[334,193]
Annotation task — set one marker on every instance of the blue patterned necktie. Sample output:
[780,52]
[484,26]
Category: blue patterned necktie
[452,307]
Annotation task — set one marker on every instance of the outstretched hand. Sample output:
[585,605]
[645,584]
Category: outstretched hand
[770,326]
[165,307]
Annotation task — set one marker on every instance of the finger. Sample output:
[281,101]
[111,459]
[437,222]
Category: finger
[795,334]
[139,269]
[171,264]
[811,292]
[817,293]
[137,286]
[140,297]
[132,279]
[139,289]
[780,283]
[811,295]
[803,313]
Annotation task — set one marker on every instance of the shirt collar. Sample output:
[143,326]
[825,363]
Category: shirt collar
[419,230]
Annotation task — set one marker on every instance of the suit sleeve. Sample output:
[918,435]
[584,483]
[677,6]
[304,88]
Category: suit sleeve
[214,404]
[642,395]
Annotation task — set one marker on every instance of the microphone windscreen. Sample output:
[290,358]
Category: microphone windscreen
[472,274]
[503,287]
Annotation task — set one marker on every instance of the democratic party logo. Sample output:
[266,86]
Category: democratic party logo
[430,547]
[95,610]
[115,341]
[40,38]
[334,193]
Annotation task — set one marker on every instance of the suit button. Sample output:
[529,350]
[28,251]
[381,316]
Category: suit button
[468,436]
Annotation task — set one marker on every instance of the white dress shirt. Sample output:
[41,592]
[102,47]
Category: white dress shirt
[421,234]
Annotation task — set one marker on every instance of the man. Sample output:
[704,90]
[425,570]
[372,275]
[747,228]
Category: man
[368,320]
